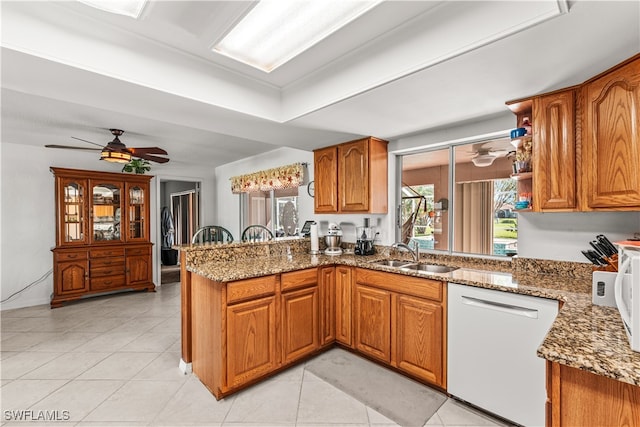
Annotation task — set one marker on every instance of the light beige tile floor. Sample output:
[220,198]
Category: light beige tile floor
[113,361]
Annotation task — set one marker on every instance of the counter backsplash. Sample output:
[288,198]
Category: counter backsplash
[577,270]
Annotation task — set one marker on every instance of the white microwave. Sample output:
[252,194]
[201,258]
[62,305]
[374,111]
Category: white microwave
[627,291]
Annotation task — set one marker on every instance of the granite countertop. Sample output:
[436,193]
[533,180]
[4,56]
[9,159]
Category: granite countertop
[583,336]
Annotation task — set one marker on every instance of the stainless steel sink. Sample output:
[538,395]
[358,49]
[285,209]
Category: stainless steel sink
[391,263]
[429,268]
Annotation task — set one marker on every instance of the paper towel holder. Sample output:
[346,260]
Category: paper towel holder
[306,228]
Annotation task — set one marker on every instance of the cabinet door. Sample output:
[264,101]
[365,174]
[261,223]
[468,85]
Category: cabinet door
[299,323]
[343,304]
[251,336]
[419,338]
[325,166]
[611,139]
[373,322]
[138,265]
[353,176]
[72,277]
[137,219]
[580,398]
[72,211]
[327,283]
[554,157]
[106,211]
[138,268]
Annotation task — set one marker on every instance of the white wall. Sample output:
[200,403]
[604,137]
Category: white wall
[561,236]
[229,206]
[28,213]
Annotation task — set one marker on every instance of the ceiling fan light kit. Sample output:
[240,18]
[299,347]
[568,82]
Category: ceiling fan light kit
[116,152]
[483,160]
[115,157]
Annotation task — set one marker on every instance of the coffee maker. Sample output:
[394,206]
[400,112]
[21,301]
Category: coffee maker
[364,239]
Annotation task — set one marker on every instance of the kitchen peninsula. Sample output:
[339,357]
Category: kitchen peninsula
[250,310]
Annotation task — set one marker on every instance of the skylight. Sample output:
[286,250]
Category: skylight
[132,8]
[274,32]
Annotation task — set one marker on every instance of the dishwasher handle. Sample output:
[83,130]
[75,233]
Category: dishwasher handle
[498,306]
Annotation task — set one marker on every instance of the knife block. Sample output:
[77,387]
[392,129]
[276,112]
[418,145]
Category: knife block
[612,267]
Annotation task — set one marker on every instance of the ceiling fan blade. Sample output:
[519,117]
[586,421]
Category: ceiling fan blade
[152,158]
[146,150]
[70,147]
[499,153]
[84,140]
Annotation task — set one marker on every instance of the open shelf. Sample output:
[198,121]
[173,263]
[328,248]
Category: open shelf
[522,175]
[517,141]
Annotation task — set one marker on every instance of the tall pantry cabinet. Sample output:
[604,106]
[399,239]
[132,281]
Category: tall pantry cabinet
[102,234]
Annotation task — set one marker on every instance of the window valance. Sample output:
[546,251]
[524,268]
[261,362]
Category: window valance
[271,179]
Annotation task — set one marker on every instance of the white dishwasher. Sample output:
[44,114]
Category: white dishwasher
[492,341]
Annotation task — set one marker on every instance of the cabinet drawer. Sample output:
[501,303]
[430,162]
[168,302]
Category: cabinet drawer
[112,252]
[139,251]
[70,256]
[107,262]
[250,288]
[298,279]
[425,288]
[107,282]
[107,271]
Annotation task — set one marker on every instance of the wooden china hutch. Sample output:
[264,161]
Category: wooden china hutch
[102,234]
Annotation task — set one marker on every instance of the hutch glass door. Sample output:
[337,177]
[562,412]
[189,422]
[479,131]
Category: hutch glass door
[136,209]
[73,221]
[106,212]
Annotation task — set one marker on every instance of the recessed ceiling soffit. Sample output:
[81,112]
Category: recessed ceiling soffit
[62,34]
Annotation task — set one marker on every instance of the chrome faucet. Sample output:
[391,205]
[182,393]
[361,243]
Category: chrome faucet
[415,252]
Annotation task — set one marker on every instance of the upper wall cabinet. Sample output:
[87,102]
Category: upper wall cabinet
[325,166]
[611,138]
[351,177]
[586,143]
[554,163]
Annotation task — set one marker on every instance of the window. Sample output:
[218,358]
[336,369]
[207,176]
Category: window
[425,190]
[276,209]
[460,199]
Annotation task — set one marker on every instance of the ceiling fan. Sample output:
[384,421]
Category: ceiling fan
[485,156]
[116,151]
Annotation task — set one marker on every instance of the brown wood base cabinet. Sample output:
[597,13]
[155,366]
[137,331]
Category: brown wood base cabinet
[343,286]
[580,398]
[400,320]
[300,321]
[251,337]
[372,308]
[327,291]
[243,331]
[102,234]
[246,330]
